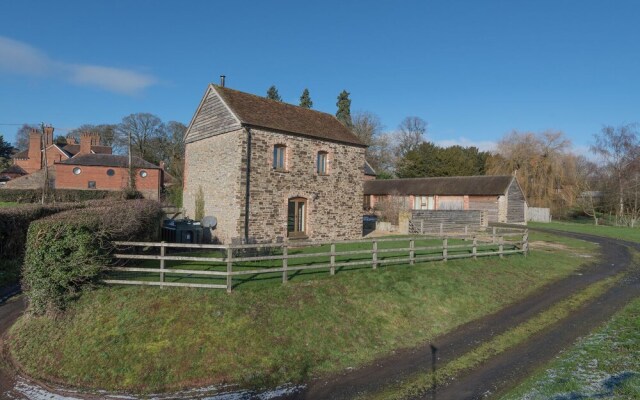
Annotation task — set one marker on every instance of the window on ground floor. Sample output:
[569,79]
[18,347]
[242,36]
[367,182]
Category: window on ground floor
[92,185]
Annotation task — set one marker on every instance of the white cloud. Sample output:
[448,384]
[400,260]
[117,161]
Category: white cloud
[483,145]
[20,58]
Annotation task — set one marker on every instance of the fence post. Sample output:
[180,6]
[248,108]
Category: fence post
[444,248]
[501,247]
[441,229]
[375,254]
[493,240]
[229,268]
[412,252]
[422,227]
[332,260]
[466,232]
[475,248]
[285,262]
[525,242]
[162,254]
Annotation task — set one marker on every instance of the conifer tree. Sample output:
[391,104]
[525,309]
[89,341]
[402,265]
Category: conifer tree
[305,99]
[344,109]
[273,94]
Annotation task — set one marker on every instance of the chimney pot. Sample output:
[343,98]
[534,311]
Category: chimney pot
[222,80]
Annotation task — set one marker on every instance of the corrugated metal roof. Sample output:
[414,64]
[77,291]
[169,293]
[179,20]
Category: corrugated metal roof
[453,186]
[266,113]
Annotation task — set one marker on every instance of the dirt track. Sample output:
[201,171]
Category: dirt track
[505,370]
[492,377]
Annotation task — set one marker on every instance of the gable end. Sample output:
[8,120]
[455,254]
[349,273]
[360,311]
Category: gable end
[213,117]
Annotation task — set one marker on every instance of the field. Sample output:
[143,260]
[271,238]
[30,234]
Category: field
[615,232]
[265,333]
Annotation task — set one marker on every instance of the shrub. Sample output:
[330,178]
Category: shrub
[67,252]
[14,222]
[61,195]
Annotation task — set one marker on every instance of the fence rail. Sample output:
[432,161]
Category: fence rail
[241,259]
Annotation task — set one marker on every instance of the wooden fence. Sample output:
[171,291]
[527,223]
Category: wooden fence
[236,260]
[538,214]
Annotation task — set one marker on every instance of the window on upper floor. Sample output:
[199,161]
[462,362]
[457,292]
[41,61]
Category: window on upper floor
[321,163]
[279,157]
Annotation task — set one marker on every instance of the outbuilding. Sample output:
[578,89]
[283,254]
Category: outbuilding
[500,196]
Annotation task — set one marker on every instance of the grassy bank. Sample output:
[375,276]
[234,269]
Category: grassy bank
[148,339]
[420,383]
[605,364]
[616,232]
[7,204]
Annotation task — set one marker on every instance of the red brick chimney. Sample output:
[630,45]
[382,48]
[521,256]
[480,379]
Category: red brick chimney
[86,140]
[71,140]
[34,152]
[48,136]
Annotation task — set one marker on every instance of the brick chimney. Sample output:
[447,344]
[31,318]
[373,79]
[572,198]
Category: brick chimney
[71,140]
[48,136]
[35,153]
[86,140]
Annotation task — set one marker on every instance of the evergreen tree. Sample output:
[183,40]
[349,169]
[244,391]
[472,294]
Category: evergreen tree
[344,109]
[273,94]
[5,148]
[305,99]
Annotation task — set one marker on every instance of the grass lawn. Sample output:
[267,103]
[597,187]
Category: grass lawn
[616,232]
[265,333]
[605,364]
[8,204]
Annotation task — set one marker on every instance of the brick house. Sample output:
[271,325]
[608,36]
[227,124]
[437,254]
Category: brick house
[270,170]
[500,196]
[82,166]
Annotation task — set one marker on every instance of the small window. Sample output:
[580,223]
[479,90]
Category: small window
[111,172]
[279,152]
[321,163]
[143,174]
[92,185]
[76,171]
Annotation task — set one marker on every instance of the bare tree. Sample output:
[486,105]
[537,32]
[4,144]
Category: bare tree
[22,136]
[539,161]
[144,129]
[410,134]
[618,147]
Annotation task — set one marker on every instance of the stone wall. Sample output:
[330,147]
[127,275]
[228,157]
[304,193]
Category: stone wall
[334,200]
[214,164]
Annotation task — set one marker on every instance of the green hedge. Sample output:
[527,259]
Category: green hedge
[61,195]
[67,252]
[14,223]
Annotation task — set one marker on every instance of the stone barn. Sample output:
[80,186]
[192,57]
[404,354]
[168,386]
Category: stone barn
[268,170]
[500,196]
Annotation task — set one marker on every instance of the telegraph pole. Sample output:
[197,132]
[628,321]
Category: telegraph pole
[45,184]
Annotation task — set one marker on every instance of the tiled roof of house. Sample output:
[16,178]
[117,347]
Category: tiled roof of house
[108,160]
[453,186]
[265,113]
[73,149]
[21,154]
[14,169]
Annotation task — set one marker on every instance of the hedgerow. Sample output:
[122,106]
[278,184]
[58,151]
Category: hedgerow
[67,252]
[14,223]
[62,195]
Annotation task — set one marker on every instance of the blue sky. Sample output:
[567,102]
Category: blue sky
[474,70]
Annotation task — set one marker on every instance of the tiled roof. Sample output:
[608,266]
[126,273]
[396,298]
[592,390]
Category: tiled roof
[22,154]
[75,148]
[453,186]
[108,160]
[14,169]
[261,112]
